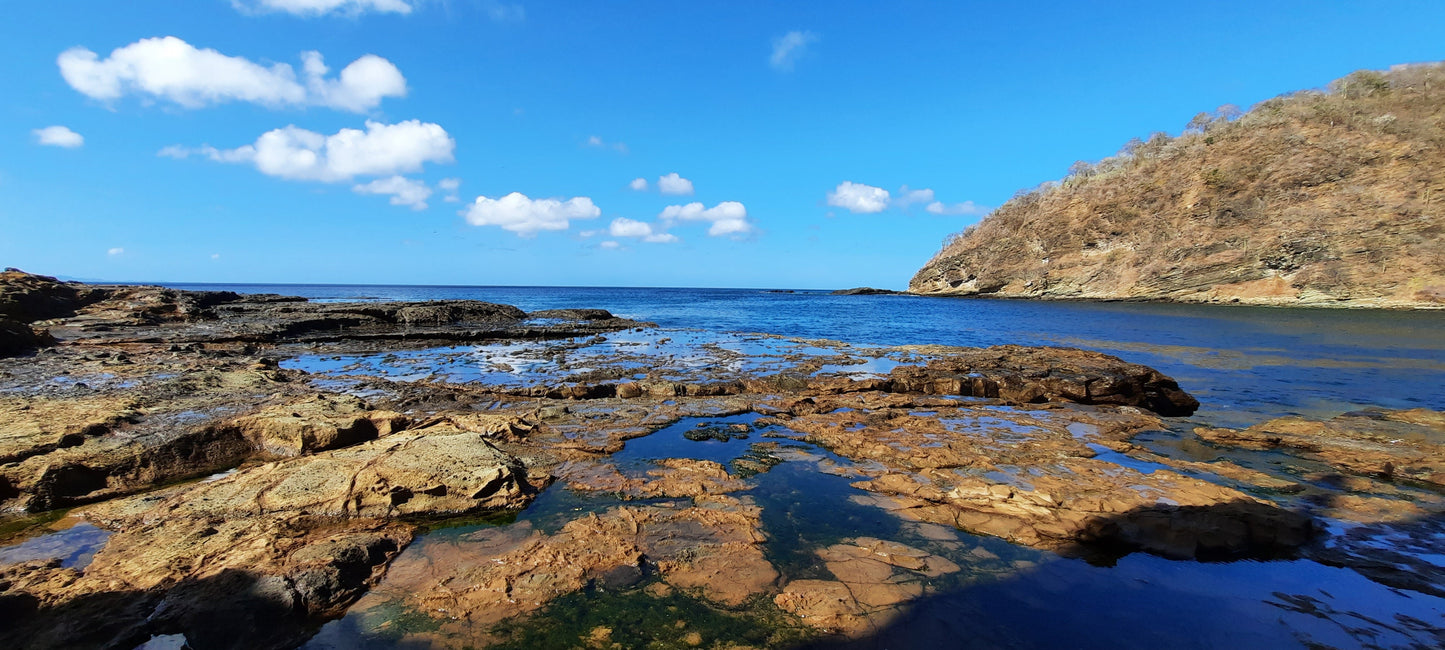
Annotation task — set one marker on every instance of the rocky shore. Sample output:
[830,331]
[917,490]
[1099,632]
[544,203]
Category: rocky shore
[241,469]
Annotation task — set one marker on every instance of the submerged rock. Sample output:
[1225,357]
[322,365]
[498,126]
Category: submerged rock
[711,547]
[1408,445]
[1033,478]
[875,579]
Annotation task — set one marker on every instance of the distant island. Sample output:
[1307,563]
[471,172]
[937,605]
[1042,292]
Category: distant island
[1317,198]
[864,291]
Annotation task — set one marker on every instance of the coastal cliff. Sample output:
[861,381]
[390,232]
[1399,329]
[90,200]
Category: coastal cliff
[1317,198]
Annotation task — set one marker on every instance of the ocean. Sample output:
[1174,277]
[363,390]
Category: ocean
[1244,364]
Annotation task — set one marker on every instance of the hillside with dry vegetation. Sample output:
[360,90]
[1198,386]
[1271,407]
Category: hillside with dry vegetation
[1325,197]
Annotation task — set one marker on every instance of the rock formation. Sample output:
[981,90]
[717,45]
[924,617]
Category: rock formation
[1317,198]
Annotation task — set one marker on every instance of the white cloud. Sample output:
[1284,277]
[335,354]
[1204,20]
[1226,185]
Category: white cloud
[639,184]
[525,216]
[609,245]
[859,198]
[319,7]
[968,208]
[598,142]
[359,87]
[297,154]
[727,218]
[115,251]
[402,190]
[58,136]
[674,184]
[173,70]
[907,197]
[790,47]
[215,256]
[624,227]
[450,185]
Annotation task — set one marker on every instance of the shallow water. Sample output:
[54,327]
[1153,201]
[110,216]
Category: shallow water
[1004,596]
[72,540]
[1245,365]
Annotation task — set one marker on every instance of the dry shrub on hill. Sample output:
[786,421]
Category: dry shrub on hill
[1318,197]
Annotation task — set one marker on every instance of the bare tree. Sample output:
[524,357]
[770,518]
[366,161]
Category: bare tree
[1199,123]
[1228,113]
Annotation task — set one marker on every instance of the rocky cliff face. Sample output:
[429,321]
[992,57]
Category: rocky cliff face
[1329,198]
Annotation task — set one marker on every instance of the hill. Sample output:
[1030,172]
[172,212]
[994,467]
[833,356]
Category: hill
[1329,197]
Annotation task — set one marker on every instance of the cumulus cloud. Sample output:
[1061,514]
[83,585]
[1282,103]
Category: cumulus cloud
[727,218]
[58,136]
[859,198]
[638,184]
[907,197]
[173,70]
[402,190]
[790,47]
[866,199]
[967,208]
[674,184]
[450,185]
[297,154]
[527,217]
[320,7]
[624,227]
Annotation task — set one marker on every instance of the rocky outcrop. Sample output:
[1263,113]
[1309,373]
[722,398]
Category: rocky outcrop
[959,466]
[237,582]
[1404,445]
[1034,374]
[875,579]
[17,337]
[1315,198]
[712,548]
[864,291]
[136,314]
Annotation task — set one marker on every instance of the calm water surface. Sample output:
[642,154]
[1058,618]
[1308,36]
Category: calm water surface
[1244,364]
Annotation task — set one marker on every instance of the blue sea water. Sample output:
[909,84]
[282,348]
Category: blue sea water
[1245,364]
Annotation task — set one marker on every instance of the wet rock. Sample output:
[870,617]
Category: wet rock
[674,478]
[875,579]
[1407,445]
[1036,374]
[1033,478]
[712,548]
[247,582]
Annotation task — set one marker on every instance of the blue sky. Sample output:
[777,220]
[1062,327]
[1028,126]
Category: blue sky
[767,109]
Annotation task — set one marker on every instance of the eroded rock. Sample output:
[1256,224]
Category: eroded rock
[875,579]
[1406,445]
